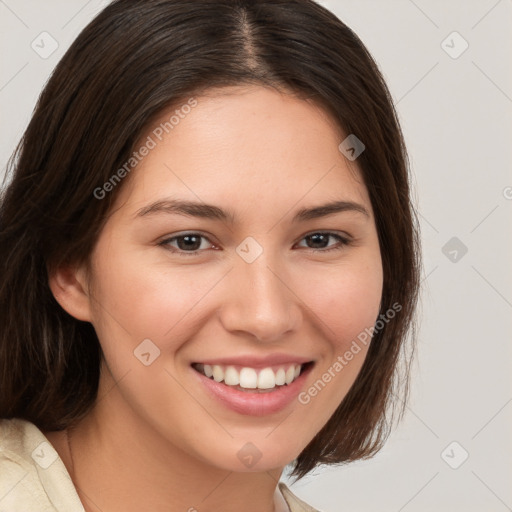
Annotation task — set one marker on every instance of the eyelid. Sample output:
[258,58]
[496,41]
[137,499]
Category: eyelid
[342,234]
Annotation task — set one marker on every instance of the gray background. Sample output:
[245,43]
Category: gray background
[456,115]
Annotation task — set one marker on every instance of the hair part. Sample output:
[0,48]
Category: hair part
[132,62]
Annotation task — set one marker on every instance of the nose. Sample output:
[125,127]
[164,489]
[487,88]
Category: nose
[260,302]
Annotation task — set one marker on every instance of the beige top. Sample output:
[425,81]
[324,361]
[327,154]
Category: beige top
[33,477]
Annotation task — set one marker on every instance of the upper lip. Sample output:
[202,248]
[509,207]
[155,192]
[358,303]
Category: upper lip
[253,361]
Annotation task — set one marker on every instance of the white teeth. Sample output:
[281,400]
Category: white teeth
[280,377]
[290,374]
[249,378]
[218,373]
[231,377]
[266,379]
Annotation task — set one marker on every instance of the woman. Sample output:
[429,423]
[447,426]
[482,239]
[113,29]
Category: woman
[209,262]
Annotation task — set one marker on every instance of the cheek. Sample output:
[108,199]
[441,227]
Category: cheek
[346,306]
[138,301]
[141,298]
[346,301]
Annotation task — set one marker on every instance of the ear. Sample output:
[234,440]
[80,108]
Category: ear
[69,287]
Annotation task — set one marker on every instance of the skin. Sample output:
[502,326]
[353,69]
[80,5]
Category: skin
[155,440]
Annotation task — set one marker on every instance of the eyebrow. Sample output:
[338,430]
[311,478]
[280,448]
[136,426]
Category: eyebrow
[209,211]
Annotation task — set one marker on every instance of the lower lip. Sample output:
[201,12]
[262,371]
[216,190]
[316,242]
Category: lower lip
[254,403]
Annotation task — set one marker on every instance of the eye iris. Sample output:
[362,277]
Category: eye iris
[319,238]
[193,242]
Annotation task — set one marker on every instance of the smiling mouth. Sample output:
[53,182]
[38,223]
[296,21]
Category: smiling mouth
[255,380]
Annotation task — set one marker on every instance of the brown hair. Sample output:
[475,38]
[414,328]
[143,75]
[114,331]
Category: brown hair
[135,59]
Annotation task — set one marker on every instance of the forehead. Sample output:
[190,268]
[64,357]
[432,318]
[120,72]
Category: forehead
[247,146]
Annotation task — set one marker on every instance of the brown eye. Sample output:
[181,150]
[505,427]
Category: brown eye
[320,241]
[188,244]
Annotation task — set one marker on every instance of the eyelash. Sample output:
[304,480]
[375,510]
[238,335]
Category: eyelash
[343,242]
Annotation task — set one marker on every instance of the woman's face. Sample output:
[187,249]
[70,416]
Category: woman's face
[259,281]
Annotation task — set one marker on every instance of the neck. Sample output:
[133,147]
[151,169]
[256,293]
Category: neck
[119,463]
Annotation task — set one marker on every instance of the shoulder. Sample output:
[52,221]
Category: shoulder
[32,476]
[295,504]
